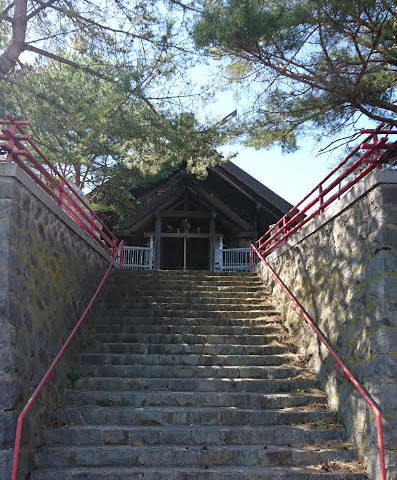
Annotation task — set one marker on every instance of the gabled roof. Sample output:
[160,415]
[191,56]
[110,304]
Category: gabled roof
[245,179]
[157,196]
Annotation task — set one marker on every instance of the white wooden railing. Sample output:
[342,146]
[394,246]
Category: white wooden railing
[235,260]
[138,258]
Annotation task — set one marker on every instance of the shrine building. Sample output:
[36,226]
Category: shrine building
[183,223]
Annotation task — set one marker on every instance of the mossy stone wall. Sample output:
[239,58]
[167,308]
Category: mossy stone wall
[49,268]
[342,268]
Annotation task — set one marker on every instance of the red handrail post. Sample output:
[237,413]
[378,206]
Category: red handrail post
[321,198]
[121,254]
[92,225]
[61,192]
[11,141]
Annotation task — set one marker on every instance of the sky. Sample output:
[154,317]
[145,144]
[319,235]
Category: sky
[291,176]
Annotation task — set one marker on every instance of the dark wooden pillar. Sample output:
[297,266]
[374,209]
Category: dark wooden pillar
[212,242]
[157,244]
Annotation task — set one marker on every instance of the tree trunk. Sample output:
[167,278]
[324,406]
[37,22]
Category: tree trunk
[10,57]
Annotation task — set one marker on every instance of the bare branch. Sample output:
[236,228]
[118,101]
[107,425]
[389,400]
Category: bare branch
[42,7]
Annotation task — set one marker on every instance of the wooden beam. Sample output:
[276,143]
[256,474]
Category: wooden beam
[212,243]
[234,185]
[185,235]
[185,214]
[223,208]
[157,244]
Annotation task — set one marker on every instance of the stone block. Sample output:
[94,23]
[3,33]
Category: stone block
[383,341]
[8,422]
[389,194]
[5,209]
[383,364]
[6,188]
[10,392]
[5,463]
[7,336]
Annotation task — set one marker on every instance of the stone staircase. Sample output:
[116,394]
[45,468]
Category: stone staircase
[191,376]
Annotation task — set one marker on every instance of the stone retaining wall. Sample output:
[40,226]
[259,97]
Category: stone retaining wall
[342,268]
[49,268]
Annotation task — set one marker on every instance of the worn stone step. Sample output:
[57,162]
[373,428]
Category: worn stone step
[191,371]
[105,318]
[251,313]
[122,275]
[132,327]
[183,288]
[194,279]
[175,455]
[134,305]
[187,338]
[295,399]
[274,348]
[189,435]
[185,273]
[187,359]
[189,294]
[152,416]
[188,299]
[210,473]
[196,384]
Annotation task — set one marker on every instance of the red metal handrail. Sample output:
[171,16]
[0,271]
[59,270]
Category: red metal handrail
[341,365]
[23,151]
[49,372]
[309,207]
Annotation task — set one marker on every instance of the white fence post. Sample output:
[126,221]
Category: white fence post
[138,258]
[235,260]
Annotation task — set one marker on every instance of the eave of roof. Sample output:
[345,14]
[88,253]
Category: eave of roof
[242,177]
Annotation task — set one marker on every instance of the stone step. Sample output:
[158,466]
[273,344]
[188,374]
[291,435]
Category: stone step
[274,348]
[189,435]
[219,298]
[217,473]
[106,318]
[196,279]
[176,455]
[141,275]
[187,359]
[174,416]
[192,371]
[207,305]
[182,338]
[182,288]
[189,294]
[196,384]
[195,313]
[188,329]
[178,273]
[310,399]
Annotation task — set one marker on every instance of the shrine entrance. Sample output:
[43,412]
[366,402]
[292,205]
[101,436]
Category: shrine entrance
[185,240]
[185,254]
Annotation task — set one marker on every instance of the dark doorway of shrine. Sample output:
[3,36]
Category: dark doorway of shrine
[185,254]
